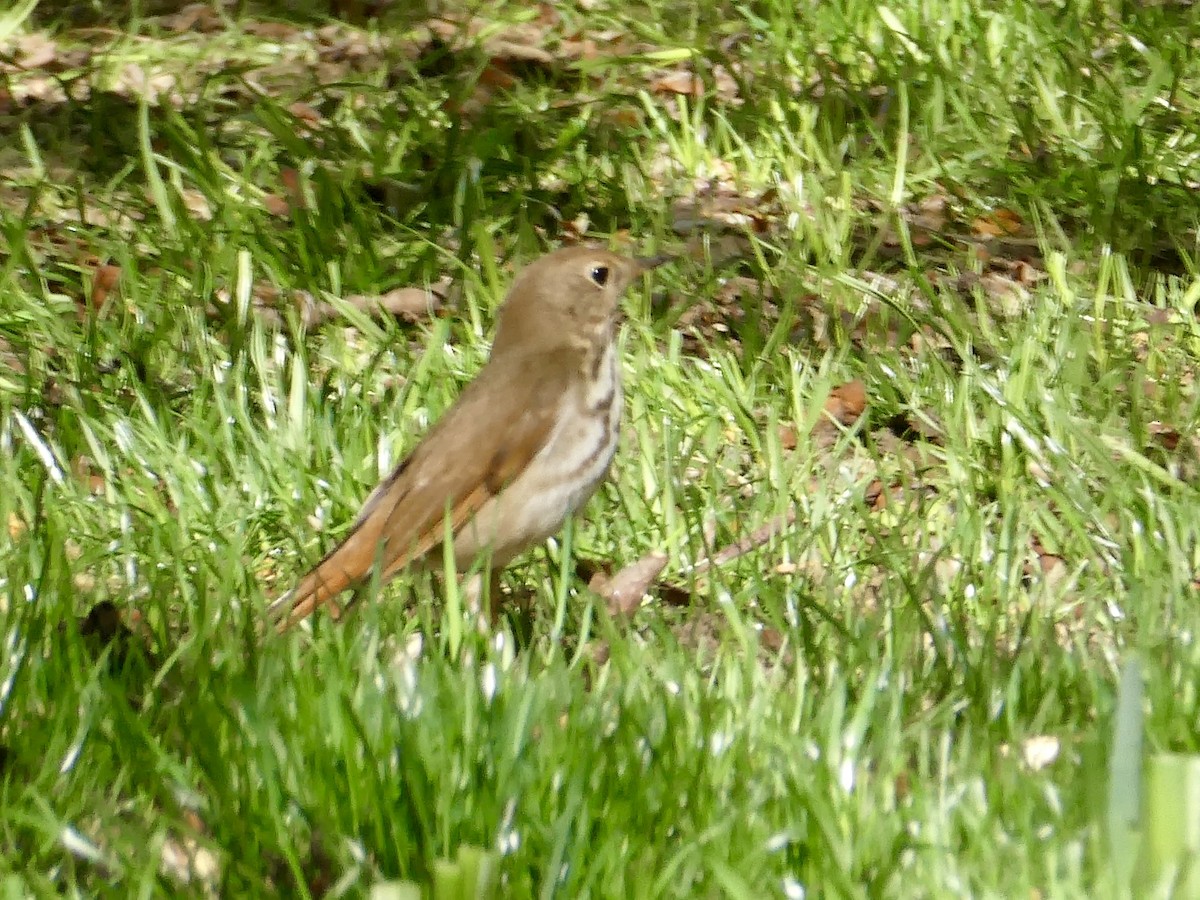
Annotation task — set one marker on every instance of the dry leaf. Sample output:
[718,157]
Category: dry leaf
[1005,295]
[104,280]
[306,113]
[680,82]
[685,83]
[787,437]
[1001,223]
[293,188]
[929,214]
[196,204]
[133,81]
[847,402]
[875,496]
[16,526]
[35,51]
[408,303]
[280,32]
[1164,435]
[622,117]
[276,205]
[624,591]
[197,17]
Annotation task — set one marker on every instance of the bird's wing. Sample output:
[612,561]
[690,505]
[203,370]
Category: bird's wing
[405,517]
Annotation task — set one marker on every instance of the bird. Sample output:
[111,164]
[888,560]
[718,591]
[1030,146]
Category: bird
[525,445]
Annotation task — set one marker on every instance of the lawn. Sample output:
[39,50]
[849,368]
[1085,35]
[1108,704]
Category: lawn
[912,421]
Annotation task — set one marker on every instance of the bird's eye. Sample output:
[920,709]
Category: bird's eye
[599,274]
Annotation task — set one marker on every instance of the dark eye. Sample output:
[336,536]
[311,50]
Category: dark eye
[599,274]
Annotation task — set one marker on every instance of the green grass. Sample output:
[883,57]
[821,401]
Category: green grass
[844,711]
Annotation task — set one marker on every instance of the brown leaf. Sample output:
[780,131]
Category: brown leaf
[681,82]
[622,117]
[502,48]
[273,31]
[196,204]
[306,113]
[497,74]
[293,188]
[1051,566]
[624,591]
[408,303]
[1006,297]
[16,526]
[1001,223]
[875,496]
[577,48]
[847,402]
[276,205]
[104,280]
[135,82]
[929,214]
[685,83]
[198,17]
[787,437]
[35,51]
[1164,435]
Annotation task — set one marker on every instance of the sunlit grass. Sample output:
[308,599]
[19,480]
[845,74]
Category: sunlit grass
[860,706]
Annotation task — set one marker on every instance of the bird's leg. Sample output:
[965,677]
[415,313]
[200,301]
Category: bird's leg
[484,604]
[493,598]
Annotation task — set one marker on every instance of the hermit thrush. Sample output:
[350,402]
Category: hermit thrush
[524,446]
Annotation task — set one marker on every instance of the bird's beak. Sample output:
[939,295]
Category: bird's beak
[646,263]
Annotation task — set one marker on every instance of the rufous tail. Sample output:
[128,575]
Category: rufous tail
[344,566]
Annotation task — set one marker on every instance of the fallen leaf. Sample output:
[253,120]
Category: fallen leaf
[408,303]
[787,437]
[496,74]
[280,32]
[574,230]
[929,214]
[306,113]
[133,81]
[36,50]
[197,17]
[846,402]
[875,496]
[623,117]
[1006,296]
[1001,223]
[16,526]
[276,205]
[686,83]
[682,82]
[1164,435]
[624,591]
[104,280]
[1052,567]
[196,204]
[293,188]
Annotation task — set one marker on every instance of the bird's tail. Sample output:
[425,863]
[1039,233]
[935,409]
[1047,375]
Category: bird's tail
[344,566]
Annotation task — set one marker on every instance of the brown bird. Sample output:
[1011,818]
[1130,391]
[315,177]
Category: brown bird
[524,446]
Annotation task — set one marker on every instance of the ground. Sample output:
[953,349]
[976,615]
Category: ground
[906,491]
